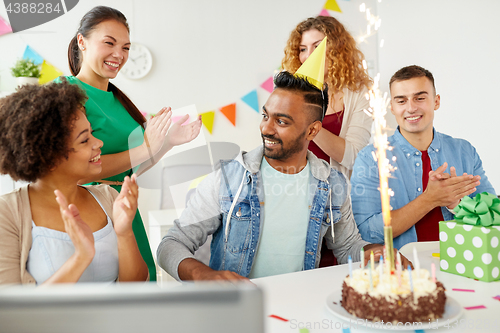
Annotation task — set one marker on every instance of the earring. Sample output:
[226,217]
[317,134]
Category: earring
[83,48]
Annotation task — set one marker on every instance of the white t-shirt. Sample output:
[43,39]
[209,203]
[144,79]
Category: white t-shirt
[286,218]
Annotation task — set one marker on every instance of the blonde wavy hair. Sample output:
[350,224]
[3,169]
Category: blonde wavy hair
[344,62]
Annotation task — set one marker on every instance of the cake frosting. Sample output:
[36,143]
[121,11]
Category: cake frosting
[389,296]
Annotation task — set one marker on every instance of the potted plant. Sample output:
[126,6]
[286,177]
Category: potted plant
[26,72]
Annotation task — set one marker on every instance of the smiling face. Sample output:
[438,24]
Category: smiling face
[413,103]
[84,158]
[286,129]
[105,51]
[309,42]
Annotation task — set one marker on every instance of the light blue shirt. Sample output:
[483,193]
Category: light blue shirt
[50,249]
[286,218]
[406,180]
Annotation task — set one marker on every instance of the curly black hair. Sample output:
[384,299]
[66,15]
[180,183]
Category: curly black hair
[35,127]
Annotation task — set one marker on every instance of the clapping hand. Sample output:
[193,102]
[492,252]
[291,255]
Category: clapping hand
[180,134]
[157,129]
[447,189]
[125,206]
[79,231]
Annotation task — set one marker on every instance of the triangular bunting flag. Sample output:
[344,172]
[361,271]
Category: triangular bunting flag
[252,100]
[324,12]
[268,85]
[207,120]
[48,73]
[230,112]
[5,28]
[332,5]
[29,53]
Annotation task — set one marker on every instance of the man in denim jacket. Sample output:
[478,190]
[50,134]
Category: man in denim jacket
[262,223]
[425,189]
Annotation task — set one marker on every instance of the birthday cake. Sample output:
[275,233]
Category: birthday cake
[392,297]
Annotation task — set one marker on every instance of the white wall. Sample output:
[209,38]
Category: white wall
[458,41]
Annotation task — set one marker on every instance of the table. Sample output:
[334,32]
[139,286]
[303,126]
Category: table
[300,297]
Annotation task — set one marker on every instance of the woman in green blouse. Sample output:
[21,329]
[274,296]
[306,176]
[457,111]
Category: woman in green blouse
[96,54]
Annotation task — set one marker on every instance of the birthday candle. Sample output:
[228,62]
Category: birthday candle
[381,267]
[417,263]
[371,279]
[399,268]
[362,258]
[433,269]
[387,263]
[411,280]
[349,260]
[372,261]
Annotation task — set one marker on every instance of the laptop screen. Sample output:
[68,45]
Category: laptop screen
[132,307]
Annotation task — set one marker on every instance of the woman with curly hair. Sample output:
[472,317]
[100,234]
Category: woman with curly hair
[96,53]
[346,127]
[46,139]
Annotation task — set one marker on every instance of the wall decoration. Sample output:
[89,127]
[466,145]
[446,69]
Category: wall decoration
[332,5]
[29,53]
[268,85]
[230,112]
[139,62]
[49,72]
[207,119]
[324,12]
[252,100]
[5,28]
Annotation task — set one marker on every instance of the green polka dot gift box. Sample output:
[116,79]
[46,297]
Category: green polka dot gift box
[469,244]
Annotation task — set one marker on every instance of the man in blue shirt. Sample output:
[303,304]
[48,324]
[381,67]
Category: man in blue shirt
[433,171]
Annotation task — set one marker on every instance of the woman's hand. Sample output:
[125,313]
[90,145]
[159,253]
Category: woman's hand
[125,207]
[180,134]
[156,130]
[79,231]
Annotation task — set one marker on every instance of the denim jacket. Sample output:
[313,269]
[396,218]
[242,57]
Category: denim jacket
[236,190]
[406,180]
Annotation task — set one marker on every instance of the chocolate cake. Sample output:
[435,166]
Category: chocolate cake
[390,299]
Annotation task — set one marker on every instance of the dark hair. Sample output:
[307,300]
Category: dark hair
[312,95]
[35,127]
[410,72]
[88,23]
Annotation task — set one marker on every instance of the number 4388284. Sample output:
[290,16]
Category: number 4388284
[33,8]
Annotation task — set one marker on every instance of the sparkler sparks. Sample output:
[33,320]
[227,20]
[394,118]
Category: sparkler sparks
[373,25]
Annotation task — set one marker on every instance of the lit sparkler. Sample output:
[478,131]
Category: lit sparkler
[378,110]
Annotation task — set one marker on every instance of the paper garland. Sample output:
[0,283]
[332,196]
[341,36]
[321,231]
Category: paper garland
[29,53]
[324,12]
[48,72]
[268,85]
[332,5]
[5,28]
[207,119]
[252,100]
[230,112]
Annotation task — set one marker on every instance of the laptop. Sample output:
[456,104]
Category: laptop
[132,307]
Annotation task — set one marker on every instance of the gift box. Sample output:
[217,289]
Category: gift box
[469,244]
